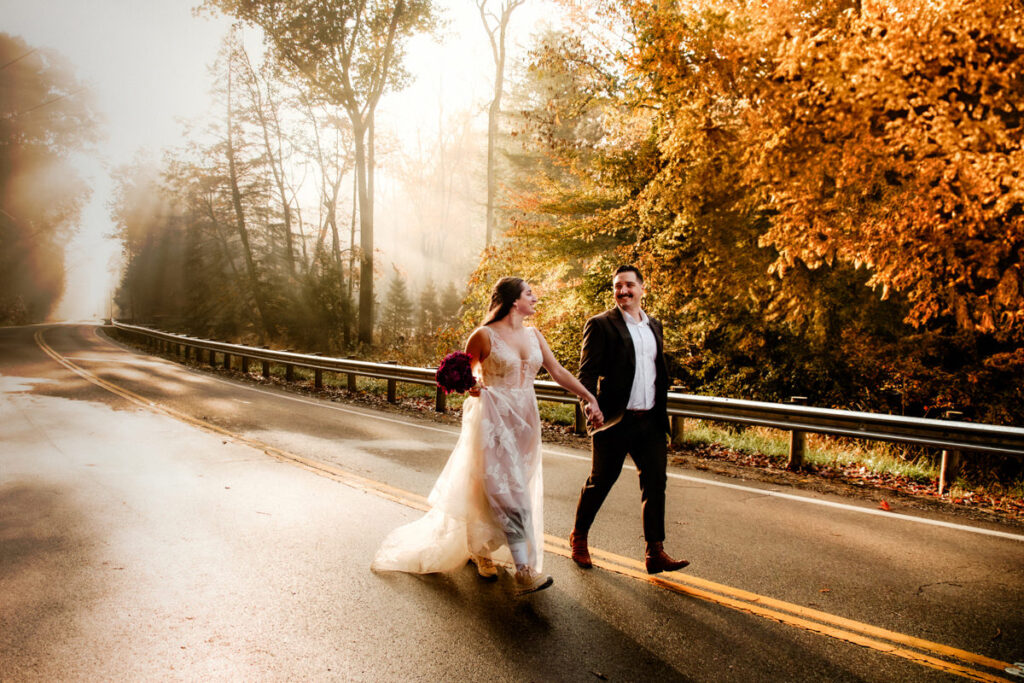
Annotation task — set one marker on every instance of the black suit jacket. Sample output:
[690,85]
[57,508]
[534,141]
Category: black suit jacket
[608,363]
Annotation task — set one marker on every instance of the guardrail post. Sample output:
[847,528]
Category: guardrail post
[227,361]
[797,440]
[440,400]
[392,385]
[289,373]
[188,351]
[213,358]
[318,374]
[245,365]
[951,460]
[676,424]
[579,425]
[351,385]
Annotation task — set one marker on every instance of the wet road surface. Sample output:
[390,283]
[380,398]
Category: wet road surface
[159,522]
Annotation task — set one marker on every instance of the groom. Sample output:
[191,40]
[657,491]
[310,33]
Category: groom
[623,365]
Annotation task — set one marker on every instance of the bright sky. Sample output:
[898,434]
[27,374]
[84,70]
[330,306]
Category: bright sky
[146,63]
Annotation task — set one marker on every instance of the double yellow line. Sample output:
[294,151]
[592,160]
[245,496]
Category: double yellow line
[926,653]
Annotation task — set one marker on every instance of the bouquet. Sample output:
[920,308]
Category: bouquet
[455,373]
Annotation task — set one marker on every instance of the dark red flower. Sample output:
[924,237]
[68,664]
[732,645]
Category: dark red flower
[455,373]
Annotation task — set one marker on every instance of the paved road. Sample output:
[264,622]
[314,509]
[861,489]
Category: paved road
[161,523]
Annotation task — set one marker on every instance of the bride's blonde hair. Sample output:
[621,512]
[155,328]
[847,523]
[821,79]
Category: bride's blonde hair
[505,293]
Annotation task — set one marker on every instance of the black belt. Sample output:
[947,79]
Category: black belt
[639,413]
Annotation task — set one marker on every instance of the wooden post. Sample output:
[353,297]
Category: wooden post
[245,365]
[392,385]
[676,425]
[318,375]
[266,366]
[440,400]
[213,358]
[351,384]
[227,361]
[951,460]
[188,351]
[797,440]
[289,373]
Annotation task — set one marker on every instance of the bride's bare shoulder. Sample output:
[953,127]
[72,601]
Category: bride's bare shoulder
[479,343]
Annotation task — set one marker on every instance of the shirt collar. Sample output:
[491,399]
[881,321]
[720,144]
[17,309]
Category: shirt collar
[630,320]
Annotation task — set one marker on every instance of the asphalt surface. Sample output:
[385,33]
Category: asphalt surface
[159,522]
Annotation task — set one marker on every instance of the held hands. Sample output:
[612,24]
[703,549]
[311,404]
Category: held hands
[593,413]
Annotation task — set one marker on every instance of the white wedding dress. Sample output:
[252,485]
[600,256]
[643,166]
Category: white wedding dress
[488,501]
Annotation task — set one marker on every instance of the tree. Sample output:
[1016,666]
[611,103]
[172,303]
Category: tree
[152,287]
[241,181]
[891,140]
[451,302]
[496,26]
[562,185]
[396,316]
[428,315]
[349,53]
[45,115]
[437,183]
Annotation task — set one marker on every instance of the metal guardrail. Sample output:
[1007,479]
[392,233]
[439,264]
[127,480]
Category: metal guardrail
[951,436]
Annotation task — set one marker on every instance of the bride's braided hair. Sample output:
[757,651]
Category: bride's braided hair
[505,293]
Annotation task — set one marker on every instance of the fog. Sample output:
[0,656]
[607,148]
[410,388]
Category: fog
[146,66]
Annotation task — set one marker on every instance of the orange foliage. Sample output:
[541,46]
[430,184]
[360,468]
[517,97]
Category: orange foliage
[889,138]
[892,140]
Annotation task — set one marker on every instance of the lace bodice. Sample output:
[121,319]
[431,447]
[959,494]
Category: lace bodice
[504,367]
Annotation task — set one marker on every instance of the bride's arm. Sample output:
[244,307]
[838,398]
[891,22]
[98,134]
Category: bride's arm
[566,380]
[478,346]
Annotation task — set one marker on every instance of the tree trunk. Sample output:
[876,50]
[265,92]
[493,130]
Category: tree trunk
[243,233]
[494,111]
[365,329]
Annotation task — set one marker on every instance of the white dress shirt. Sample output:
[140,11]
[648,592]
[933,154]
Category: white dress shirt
[641,395]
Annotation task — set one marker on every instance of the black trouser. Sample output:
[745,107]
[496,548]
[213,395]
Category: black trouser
[642,436]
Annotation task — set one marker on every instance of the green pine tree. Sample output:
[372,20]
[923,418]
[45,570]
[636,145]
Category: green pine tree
[397,315]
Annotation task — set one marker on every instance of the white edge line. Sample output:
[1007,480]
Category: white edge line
[673,475]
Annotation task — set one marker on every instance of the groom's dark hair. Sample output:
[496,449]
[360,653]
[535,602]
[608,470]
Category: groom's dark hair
[629,269]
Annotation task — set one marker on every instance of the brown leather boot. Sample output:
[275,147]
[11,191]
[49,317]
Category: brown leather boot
[580,554]
[658,561]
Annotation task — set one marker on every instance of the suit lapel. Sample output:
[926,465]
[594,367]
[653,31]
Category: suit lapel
[615,315]
[656,330]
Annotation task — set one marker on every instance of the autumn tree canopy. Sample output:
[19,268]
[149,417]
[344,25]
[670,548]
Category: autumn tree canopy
[825,196]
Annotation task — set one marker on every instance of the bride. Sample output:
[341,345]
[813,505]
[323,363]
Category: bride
[487,505]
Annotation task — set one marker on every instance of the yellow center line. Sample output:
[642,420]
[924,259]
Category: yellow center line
[816,621]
